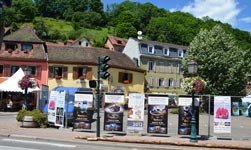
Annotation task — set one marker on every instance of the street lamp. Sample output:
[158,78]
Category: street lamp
[27,72]
[192,70]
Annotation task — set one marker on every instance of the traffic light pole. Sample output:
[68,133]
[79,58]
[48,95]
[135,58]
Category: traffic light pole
[98,102]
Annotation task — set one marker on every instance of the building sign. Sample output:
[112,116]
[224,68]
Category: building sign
[157,114]
[222,114]
[135,120]
[185,115]
[56,108]
[83,110]
[114,111]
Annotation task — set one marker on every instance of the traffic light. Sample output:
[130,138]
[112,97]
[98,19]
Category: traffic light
[103,66]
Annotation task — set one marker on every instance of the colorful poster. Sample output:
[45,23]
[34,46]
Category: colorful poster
[114,111]
[135,120]
[83,110]
[222,114]
[236,108]
[244,109]
[185,115]
[56,108]
[157,114]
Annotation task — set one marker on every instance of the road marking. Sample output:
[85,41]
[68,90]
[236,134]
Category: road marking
[41,143]
[15,148]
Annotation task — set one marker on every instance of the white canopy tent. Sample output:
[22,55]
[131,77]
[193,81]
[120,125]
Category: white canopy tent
[11,84]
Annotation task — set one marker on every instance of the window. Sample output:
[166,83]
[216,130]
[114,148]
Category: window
[170,68]
[181,83]
[1,70]
[79,43]
[14,69]
[150,65]
[179,68]
[166,51]
[86,44]
[150,49]
[161,82]
[180,52]
[161,67]
[151,81]
[170,82]
[26,47]
[10,46]
[33,70]
[82,73]
[58,72]
[125,77]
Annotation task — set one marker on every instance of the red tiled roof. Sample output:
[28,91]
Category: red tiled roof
[117,40]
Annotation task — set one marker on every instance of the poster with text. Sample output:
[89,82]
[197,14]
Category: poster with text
[56,107]
[236,108]
[135,120]
[244,108]
[83,110]
[114,111]
[157,114]
[185,115]
[222,114]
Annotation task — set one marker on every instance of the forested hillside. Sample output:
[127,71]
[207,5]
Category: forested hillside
[58,20]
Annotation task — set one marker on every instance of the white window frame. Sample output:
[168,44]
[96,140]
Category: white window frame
[181,83]
[170,82]
[180,53]
[151,49]
[166,51]
[161,66]
[170,67]
[151,81]
[161,82]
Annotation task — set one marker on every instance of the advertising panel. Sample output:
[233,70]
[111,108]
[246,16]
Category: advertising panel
[244,109]
[135,120]
[56,108]
[114,111]
[157,114]
[236,108]
[83,110]
[185,115]
[222,114]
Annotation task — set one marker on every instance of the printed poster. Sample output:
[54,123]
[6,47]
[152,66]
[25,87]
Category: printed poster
[236,108]
[135,120]
[185,115]
[157,114]
[244,109]
[114,111]
[222,114]
[56,108]
[83,110]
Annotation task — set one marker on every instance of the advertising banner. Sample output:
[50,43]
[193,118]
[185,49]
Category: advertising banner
[83,110]
[236,108]
[185,115]
[222,114]
[114,111]
[56,108]
[135,120]
[244,109]
[157,114]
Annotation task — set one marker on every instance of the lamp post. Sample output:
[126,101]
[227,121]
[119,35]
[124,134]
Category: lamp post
[192,70]
[27,72]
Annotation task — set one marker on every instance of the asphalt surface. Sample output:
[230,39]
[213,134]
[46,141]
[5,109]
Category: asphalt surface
[239,139]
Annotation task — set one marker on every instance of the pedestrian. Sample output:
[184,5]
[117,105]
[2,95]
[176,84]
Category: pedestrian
[9,104]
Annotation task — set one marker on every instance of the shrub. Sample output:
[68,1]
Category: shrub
[38,117]
[174,111]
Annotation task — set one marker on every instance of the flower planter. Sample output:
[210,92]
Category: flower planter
[82,77]
[58,77]
[28,122]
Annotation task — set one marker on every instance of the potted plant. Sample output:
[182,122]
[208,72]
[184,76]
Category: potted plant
[58,77]
[34,118]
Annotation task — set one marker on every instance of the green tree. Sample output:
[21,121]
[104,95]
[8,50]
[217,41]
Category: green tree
[221,62]
[126,30]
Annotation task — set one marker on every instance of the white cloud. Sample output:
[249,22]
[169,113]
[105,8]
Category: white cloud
[246,20]
[225,11]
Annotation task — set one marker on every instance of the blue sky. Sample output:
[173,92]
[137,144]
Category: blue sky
[234,12]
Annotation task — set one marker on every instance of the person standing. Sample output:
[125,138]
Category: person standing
[9,104]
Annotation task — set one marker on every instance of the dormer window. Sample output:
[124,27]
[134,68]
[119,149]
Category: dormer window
[150,49]
[26,47]
[180,53]
[166,51]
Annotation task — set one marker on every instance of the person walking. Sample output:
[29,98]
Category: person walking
[9,104]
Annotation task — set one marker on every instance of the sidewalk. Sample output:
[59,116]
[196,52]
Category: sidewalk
[11,128]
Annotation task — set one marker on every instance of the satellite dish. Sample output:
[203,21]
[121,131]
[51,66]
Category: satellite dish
[139,35]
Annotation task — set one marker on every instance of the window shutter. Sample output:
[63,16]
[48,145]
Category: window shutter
[6,70]
[65,72]
[75,73]
[120,77]
[38,72]
[166,82]
[130,77]
[51,73]
[89,73]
